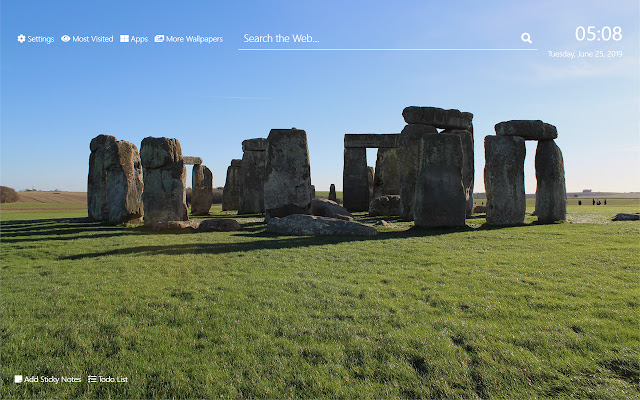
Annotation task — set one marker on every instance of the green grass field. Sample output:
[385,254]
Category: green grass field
[534,311]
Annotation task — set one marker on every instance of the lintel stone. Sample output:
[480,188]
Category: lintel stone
[371,140]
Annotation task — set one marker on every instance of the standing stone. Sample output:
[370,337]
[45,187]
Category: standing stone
[232,186]
[551,193]
[371,180]
[355,185]
[386,180]
[124,183]
[504,179]
[202,190]
[332,193]
[252,172]
[165,175]
[97,206]
[408,160]
[468,168]
[313,192]
[439,198]
[287,185]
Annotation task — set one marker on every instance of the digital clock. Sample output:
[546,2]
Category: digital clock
[606,33]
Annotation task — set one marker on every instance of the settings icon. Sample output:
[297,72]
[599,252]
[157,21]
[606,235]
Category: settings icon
[21,38]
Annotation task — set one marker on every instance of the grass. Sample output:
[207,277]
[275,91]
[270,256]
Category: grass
[531,311]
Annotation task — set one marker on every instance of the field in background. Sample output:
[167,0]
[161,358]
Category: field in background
[477,312]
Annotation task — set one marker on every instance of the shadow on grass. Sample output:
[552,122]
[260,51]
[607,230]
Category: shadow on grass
[266,241]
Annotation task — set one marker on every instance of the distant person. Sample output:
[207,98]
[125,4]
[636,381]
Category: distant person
[594,202]
[605,202]
[579,202]
[598,203]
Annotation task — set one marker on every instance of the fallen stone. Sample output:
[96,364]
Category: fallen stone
[408,161]
[287,185]
[438,117]
[527,129]
[504,179]
[304,225]
[188,160]
[551,193]
[479,209]
[627,217]
[175,225]
[385,206]
[383,223]
[219,225]
[330,209]
[439,200]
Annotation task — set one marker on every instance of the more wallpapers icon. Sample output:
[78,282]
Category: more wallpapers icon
[159,38]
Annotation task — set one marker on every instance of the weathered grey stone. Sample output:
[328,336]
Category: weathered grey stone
[313,192]
[124,183]
[332,193]
[551,193]
[252,177]
[388,205]
[257,144]
[386,180]
[408,161]
[188,160]
[97,206]
[165,175]
[504,179]
[304,225]
[329,208]
[355,183]
[468,168]
[527,129]
[201,190]
[371,140]
[219,225]
[371,181]
[190,226]
[627,217]
[232,186]
[439,199]
[479,209]
[287,186]
[438,117]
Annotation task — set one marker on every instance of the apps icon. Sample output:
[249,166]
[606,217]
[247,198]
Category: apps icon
[159,38]
[65,38]
[124,38]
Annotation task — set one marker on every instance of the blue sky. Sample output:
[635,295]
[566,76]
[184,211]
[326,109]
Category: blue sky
[56,97]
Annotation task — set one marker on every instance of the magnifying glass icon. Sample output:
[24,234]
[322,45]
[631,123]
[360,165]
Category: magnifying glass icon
[526,38]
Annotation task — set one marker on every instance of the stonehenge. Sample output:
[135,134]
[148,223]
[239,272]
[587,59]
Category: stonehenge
[115,181]
[287,180]
[356,179]
[504,173]
[164,180]
[332,193]
[252,176]
[386,180]
[232,186]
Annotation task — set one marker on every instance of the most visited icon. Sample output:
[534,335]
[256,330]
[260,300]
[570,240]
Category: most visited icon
[21,38]
[65,38]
